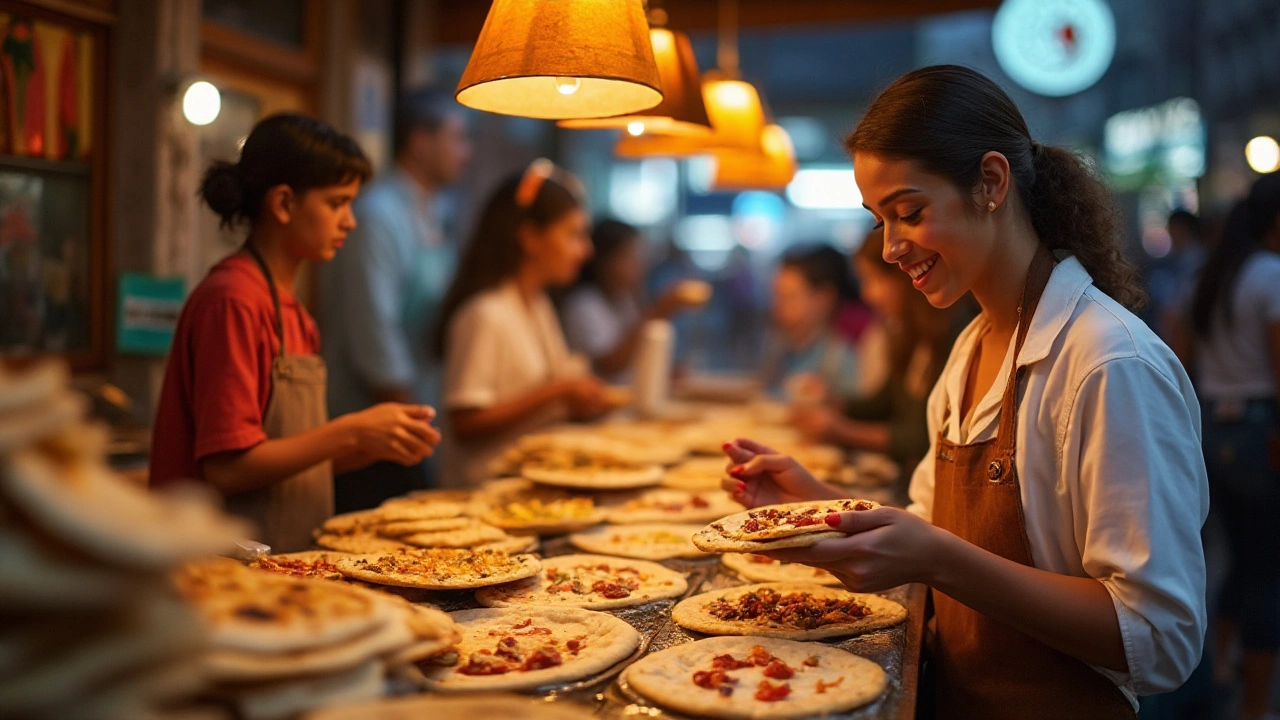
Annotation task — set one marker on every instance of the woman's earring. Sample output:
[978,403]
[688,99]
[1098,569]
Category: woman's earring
[991,206]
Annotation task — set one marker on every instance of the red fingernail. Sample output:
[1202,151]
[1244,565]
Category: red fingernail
[726,445]
[742,487]
[737,470]
[833,519]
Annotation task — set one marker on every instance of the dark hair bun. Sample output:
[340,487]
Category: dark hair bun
[223,191]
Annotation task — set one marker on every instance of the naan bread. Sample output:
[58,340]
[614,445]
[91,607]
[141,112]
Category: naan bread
[309,563]
[480,707]
[532,647]
[795,611]
[761,569]
[699,473]
[359,542]
[540,516]
[251,667]
[822,679]
[594,478]
[400,528]
[675,506]
[440,568]
[469,536]
[658,541]
[595,582]
[281,700]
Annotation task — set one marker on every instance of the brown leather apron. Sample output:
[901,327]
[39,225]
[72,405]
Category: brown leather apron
[289,510]
[986,669]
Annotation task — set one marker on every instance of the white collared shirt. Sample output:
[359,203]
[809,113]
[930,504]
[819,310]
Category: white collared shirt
[1109,462]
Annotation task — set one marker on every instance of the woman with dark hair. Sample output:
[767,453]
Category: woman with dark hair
[1057,513]
[243,402]
[604,314]
[806,357]
[507,370]
[1235,356]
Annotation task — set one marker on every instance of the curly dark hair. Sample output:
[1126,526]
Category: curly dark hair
[946,117]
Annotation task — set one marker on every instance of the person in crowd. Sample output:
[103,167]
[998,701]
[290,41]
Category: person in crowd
[381,295]
[1169,279]
[507,369]
[605,313]
[806,356]
[1233,349]
[893,418]
[243,402]
[1057,514]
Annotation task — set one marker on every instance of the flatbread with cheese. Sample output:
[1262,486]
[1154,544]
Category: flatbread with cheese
[532,647]
[796,611]
[751,678]
[678,506]
[474,534]
[595,582]
[698,473]
[540,516]
[758,568]
[655,541]
[576,468]
[309,563]
[440,568]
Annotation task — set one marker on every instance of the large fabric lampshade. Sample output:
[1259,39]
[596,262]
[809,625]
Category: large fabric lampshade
[737,118]
[770,169]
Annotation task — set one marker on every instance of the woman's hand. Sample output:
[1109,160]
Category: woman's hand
[761,476]
[683,295]
[586,397]
[814,422]
[885,547]
[394,431]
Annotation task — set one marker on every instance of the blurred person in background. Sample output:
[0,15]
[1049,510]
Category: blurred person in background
[1170,278]
[1233,349]
[605,313]
[806,356]
[380,297]
[507,369]
[892,418]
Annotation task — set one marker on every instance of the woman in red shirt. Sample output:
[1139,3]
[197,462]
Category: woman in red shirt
[243,402]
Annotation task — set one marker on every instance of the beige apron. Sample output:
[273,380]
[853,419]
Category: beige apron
[289,510]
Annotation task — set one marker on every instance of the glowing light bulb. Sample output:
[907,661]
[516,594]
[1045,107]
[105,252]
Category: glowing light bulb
[1263,154]
[568,85]
[635,128]
[201,103]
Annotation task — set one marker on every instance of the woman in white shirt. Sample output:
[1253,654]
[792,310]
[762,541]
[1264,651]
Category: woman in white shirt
[507,371]
[1235,355]
[1057,516]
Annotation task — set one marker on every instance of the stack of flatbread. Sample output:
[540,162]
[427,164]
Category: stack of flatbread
[584,461]
[282,644]
[489,705]
[402,523]
[92,628]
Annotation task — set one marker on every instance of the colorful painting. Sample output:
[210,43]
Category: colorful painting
[46,89]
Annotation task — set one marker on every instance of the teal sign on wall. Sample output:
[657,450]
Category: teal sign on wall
[148,313]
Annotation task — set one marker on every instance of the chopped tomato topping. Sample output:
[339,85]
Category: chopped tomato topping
[699,502]
[522,624]
[484,665]
[612,591]
[778,670]
[542,658]
[768,692]
[821,687]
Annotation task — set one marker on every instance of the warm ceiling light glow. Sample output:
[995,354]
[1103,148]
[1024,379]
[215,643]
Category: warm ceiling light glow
[733,94]
[635,128]
[1263,154]
[737,119]
[825,189]
[769,169]
[201,103]
[681,111]
[596,52]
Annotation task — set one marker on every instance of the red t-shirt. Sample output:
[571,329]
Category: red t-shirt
[218,379]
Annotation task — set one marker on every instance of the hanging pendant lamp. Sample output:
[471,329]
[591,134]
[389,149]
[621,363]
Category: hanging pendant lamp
[737,119]
[681,111]
[560,59]
[770,169]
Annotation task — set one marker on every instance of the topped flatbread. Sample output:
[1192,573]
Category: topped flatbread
[266,612]
[772,522]
[565,467]
[758,568]
[440,568]
[756,679]
[698,473]
[664,505]
[477,533]
[655,541]
[531,647]
[595,582]
[310,563]
[394,510]
[545,516]
[796,611]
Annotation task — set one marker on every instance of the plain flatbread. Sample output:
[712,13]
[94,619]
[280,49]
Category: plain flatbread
[357,543]
[666,678]
[282,700]
[593,479]
[254,611]
[692,614]
[30,424]
[248,667]
[673,506]
[511,545]
[394,510]
[773,571]
[400,528]
[573,578]
[481,707]
[738,525]
[605,641]
[440,568]
[656,541]
[93,510]
[699,473]
[544,516]
[470,536]
[34,575]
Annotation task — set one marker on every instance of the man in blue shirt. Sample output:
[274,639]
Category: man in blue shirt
[379,299]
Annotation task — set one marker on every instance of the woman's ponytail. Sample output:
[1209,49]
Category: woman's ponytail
[223,191]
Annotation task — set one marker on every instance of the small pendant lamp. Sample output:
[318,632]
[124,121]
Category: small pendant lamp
[560,59]
[771,169]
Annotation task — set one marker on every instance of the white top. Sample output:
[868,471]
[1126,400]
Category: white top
[499,349]
[1108,457]
[594,326]
[1235,363]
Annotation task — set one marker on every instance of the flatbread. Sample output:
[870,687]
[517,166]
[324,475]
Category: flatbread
[541,516]
[470,536]
[440,568]
[360,542]
[558,645]
[511,545]
[309,563]
[754,610]
[590,478]
[710,540]
[400,528]
[265,612]
[37,576]
[699,473]
[761,569]
[826,680]
[394,510]
[248,667]
[677,506]
[655,541]
[481,707]
[595,582]
[278,701]
[773,522]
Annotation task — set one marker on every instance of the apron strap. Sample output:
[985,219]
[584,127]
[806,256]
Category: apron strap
[275,294]
[1037,278]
